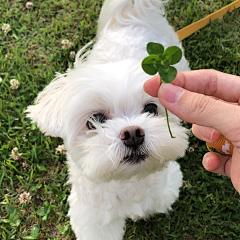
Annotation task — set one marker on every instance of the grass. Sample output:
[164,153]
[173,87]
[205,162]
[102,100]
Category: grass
[208,208]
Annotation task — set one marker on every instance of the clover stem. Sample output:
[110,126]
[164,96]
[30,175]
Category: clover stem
[166,112]
[169,129]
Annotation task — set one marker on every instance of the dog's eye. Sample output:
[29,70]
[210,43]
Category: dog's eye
[151,108]
[97,117]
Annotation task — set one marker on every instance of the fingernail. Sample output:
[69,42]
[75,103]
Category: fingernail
[207,132]
[170,93]
[206,159]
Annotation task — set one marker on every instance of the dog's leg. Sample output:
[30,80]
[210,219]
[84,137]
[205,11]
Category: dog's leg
[165,197]
[92,221]
[112,231]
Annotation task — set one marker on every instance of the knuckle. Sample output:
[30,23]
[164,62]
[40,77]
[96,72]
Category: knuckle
[234,135]
[200,105]
[231,130]
[211,87]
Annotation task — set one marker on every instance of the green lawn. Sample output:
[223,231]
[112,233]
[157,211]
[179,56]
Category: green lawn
[208,208]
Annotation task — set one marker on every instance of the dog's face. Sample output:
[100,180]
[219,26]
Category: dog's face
[112,129]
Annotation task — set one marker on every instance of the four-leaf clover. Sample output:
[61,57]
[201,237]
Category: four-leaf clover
[161,61]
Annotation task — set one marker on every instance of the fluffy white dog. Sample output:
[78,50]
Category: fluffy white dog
[120,153]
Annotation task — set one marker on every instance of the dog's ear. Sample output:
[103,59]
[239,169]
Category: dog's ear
[48,109]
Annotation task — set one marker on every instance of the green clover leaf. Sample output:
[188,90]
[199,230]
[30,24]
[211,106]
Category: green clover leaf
[155,48]
[167,73]
[149,64]
[172,55]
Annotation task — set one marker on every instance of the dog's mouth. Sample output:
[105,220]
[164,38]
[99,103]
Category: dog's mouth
[134,158]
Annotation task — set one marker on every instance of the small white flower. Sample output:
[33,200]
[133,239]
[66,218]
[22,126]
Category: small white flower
[1,79]
[6,28]
[14,84]
[72,54]
[61,150]
[70,44]
[24,198]
[15,154]
[185,183]
[29,4]
[191,149]
[67,44]
[24,164]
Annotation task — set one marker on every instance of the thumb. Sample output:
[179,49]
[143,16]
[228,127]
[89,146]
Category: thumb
[202,110]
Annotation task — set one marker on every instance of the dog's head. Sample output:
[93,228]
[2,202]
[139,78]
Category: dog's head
[111,128]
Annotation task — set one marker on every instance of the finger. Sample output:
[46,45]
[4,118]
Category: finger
[202,110]
[152,85]
[216,163]
[224,165]
[235,170]
[211,83]
[206,134]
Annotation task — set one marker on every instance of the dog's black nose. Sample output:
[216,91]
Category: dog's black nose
[132,136]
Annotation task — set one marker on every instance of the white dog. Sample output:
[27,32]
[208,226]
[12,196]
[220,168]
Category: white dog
[120,153]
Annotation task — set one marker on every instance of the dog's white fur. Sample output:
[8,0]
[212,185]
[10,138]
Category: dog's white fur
[109,79]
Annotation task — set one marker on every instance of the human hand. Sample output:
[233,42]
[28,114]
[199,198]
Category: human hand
[208,99]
